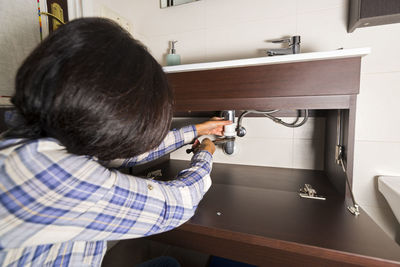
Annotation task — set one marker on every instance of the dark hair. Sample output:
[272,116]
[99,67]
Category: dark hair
[94,88]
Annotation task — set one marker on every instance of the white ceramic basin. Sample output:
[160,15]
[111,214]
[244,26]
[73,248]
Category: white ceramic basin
[342,53]
[389,186]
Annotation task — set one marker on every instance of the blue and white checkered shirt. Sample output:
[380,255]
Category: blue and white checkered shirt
[59,209]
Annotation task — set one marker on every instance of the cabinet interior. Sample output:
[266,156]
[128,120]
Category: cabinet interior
[255,214]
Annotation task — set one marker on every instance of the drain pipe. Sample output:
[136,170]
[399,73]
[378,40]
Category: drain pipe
[229,131]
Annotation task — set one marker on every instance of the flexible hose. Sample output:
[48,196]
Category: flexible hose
[290,125]
[267,113]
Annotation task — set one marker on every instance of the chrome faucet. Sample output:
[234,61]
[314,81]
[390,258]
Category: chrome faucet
[294,46]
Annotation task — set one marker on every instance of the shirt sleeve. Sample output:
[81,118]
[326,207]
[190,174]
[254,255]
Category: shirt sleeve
[174,140]
[157,206]
[76,199]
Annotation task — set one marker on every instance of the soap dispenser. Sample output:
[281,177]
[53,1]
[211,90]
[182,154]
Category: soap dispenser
[172,57]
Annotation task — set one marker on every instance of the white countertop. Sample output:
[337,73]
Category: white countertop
[343,53]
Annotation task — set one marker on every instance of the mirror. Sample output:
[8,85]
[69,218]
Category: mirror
[170,3]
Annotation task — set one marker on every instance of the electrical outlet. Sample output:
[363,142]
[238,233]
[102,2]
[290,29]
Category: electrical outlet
[110,14]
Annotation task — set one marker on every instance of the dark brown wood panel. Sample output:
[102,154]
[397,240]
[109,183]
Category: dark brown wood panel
[260,207]
[373,8]
[311,78]
[300,102]
[280,113]
[272,178]
[334,171]
[349,139]
[254,251]
[366,13]
[263,221]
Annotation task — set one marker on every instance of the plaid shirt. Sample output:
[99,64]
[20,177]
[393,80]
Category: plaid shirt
[59,209]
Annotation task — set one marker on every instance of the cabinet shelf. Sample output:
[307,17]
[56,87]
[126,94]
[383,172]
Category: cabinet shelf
[262,213]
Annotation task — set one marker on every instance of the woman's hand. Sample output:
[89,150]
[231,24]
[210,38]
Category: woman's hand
[208,145]
[214,126]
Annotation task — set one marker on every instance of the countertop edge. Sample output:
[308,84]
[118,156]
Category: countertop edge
[314,56]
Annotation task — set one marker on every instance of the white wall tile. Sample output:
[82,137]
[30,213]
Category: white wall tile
[371,160]
[252,151]
[232,12]
[149,19]
[322,30]
[314,128]
[177,19]
[260,152]
[269,144]
[19,34]
[377,108]
[308,154]
[382,40]
[304,6]
[190,46]
[246,39]
[266,128]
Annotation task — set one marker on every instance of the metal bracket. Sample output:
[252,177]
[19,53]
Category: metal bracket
[154,174]
[309,192]
[338,154]
[340,160]
[354,210]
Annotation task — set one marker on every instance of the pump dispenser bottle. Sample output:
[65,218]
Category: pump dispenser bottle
[172,57]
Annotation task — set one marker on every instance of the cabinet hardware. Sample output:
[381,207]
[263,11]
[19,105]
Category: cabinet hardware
[339,158]
[309,192]
[154,174]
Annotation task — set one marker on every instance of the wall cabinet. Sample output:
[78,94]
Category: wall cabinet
[254,214]
[366,13]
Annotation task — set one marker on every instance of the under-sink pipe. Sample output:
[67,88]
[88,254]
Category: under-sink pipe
[229,132]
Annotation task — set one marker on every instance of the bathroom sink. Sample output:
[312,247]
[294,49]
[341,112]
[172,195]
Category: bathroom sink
[389,186]
[301,57]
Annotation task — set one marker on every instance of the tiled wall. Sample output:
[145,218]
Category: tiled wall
[19,34]
[269,144]
[211,30]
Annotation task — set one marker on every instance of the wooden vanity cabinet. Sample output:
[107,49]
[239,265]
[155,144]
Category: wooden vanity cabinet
[323,84]
[329,85]
[254,214]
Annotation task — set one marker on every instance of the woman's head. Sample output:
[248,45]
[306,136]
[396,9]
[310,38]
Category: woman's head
[95,89]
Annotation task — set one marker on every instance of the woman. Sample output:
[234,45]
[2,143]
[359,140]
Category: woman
[90,97]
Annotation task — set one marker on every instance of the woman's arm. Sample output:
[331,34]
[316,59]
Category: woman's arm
[76,199]
[162,206]
[174,140]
